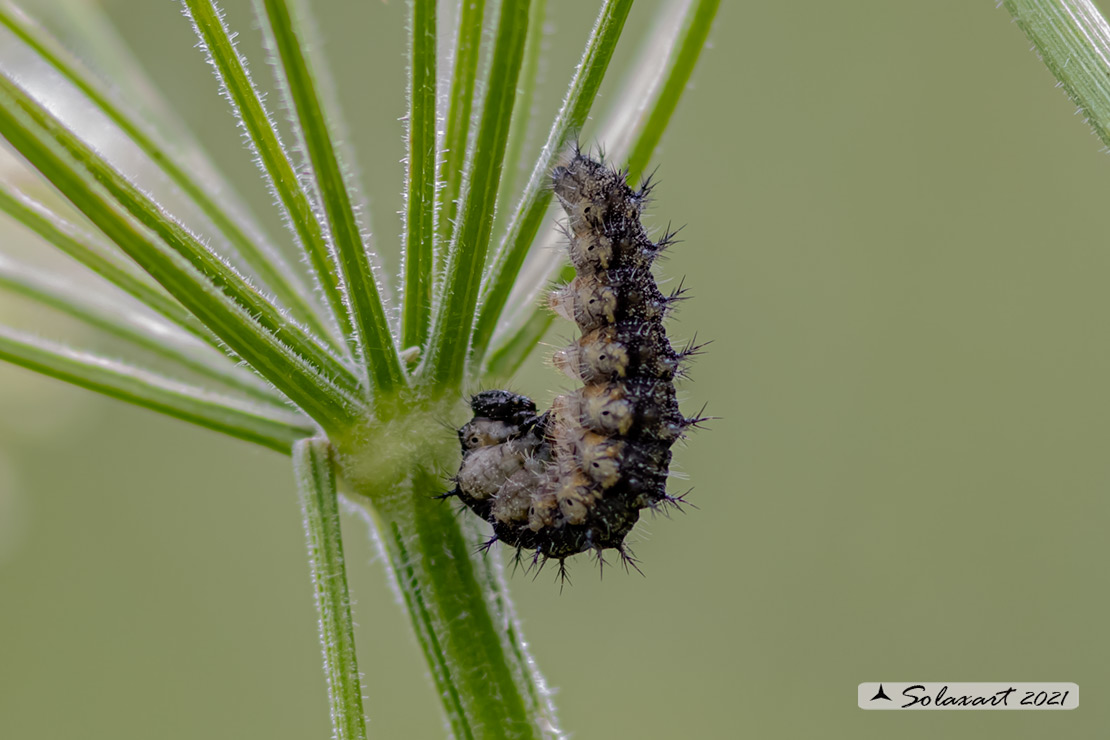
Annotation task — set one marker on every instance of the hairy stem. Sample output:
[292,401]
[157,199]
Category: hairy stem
[1073,40]
[482,673]
[421,179]
[315,471]
[454,314]
[368,311]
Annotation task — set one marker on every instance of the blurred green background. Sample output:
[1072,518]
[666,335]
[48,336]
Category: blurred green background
[896,239]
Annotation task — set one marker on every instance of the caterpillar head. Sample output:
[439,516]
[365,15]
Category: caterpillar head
[512,408]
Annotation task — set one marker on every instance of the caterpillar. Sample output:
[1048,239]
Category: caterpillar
[576,477]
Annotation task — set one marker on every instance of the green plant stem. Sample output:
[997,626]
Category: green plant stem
[371,327]
[421,179]
[537,697]
[465,74]
[217,274]
[263,260]
[483,684]
[466,257]
[263,425]
[523,115]
[1073,39]
[24,124]
[537,194]
[136,329]
[677,72]
[91,36]
[247,103]
[84,248]
[315,473]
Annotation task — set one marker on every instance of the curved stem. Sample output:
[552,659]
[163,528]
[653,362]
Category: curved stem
[137,329]
[463,82]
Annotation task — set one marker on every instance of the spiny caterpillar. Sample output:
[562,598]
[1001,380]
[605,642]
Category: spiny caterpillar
[575,478]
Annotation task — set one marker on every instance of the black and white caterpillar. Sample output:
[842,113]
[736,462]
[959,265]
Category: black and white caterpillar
[575,478]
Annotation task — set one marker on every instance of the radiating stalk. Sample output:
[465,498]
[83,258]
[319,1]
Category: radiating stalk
[134,328]
[1073,39]
[420,195]
[278,169]
[83,248]
[263,260]
[375,339]
[262,346]
[529,214]
[463,79]
[523,117]
[677,71]
[315,473]
[263,425]
[218,274]
[454,313]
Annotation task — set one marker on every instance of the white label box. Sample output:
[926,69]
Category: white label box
[915,695]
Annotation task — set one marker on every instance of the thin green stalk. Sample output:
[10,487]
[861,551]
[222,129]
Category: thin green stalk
[523,115]
[463,638]
[89,35]
[677,71]
[643,114]
[421,179]
[1073,39]
[217,273]
[83,248]
[136,329]
[529,214]
[371,327]
[264,261]
[303,381]
[454,314]
[315,473]
[265,426]
[467,45]
[279,171]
